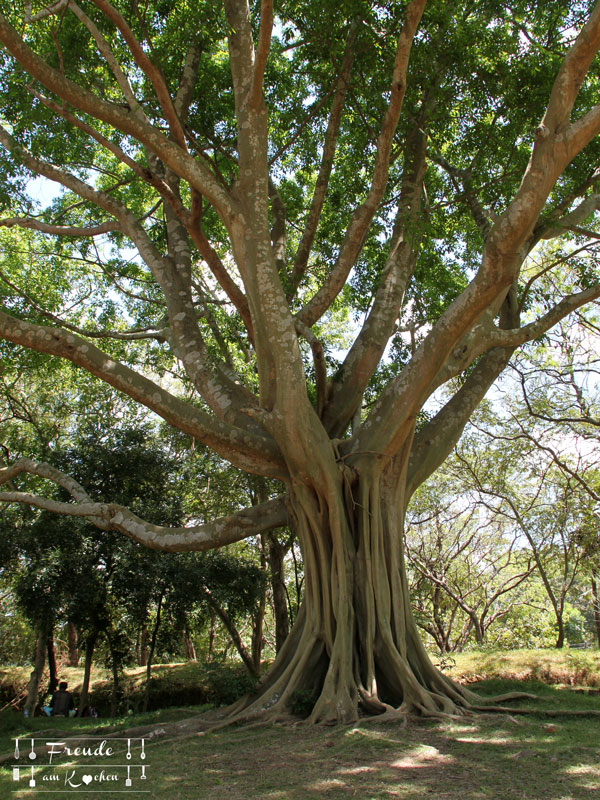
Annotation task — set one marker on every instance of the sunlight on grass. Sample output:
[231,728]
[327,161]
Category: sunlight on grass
[503,740]
[356,770]
[502,757]
[422,756]
[588,775]
[326,785]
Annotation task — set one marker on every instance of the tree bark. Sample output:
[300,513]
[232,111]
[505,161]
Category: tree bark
[39,660]
[211,639]
[52,669]
[143,649]
[233,632]
[560,636]
[151,652]
[276,553]
[115,663]
[90,644]
[355,643]
[190,650]
[258,618]
[73,656]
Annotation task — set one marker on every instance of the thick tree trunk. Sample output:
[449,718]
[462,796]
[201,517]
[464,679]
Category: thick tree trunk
[211,638]
[90,644]
[276,553]
[39,660]
[190,650]
[52,669]
[73,656]
[151,652]
[143,648]
[355,643]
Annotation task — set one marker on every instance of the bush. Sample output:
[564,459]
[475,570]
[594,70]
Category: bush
[301,702]
[226,683]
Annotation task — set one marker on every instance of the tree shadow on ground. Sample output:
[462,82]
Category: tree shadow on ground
[500,756]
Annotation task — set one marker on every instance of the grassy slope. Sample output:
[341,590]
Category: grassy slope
[485,756]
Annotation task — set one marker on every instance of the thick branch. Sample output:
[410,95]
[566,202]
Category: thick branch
[517,336]
[557,142]
[367,350]
[111,516]
[572,72]
[60,230]
[262,50]
[47,471]
[363,216]
[435,441]
[506,246]
[245,449]
[585,209]
[186,84]
[196,172]
[222,394]
[151,71]
[329,146]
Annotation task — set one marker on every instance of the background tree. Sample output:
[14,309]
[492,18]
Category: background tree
[540,504]
[464,562]
[243,188]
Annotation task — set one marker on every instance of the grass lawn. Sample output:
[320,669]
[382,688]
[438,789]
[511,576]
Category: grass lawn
[499,756]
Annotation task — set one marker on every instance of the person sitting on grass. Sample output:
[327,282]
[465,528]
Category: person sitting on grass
[62,703]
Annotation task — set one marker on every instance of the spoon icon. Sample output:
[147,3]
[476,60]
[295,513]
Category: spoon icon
[16,748]
[128,755]
[32,755]
[142,754]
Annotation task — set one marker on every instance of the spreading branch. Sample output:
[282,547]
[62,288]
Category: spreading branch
[363,215]
[170,152]
[329,147]
[60,230]
[262,50]
[244,448]
[110,516]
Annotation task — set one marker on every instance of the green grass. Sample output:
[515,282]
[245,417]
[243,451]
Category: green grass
[563,667]
[171,685]
[499,756]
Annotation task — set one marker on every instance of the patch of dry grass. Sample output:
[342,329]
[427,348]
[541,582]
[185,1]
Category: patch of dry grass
[558,667]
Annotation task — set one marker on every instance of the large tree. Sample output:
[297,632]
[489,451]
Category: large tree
[274,177]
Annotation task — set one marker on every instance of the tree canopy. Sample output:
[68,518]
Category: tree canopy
[281,227]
